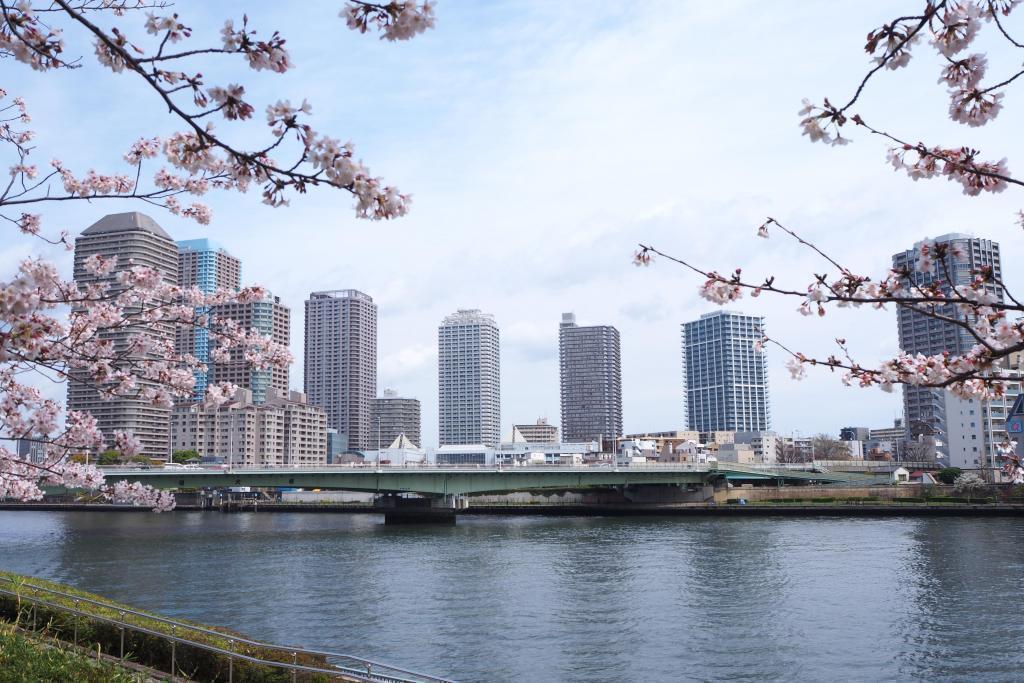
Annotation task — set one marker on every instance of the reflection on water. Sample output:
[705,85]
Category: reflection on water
[570,599]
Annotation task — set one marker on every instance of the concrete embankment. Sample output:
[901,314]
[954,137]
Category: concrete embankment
[794,509]
[763,510]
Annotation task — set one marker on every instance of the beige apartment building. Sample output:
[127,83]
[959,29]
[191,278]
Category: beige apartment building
[133,239]
[284,430]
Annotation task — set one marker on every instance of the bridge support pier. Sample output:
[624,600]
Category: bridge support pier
[398,510]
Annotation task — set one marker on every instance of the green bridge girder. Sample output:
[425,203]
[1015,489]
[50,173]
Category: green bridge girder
[441,481]
[427,481]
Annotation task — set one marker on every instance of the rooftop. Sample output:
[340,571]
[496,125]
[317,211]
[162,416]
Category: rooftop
[341,294]
[201,244]
[468,316]
[124,222]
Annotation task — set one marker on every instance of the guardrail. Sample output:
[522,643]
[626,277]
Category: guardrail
[650,466]
[346,667]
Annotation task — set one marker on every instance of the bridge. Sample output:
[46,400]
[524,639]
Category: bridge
[440,489]
[460,480]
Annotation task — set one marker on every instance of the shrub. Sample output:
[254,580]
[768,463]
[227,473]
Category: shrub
[24,659]
[948,475]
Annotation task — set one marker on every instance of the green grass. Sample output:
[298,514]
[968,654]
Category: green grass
[149,650]
[23,659]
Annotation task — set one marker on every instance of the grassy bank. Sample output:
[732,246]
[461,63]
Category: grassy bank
[149,649]
[25,659]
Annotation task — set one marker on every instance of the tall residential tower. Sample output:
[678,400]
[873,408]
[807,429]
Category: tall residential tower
[591,380]
[469,379]
[955,424]
[270,318]
[134,239]
[206,265]
[724,374]
[341,363]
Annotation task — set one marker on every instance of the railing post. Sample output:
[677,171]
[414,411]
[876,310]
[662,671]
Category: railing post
[295,661]
[174,644]
[231,661]
[122,635]
[76,622]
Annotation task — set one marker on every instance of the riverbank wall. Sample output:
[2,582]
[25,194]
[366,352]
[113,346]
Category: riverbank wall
[793,509]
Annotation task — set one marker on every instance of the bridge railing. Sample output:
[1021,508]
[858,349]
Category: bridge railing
[344,666]
[373,467]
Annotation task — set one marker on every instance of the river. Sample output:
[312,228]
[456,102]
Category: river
[570,599]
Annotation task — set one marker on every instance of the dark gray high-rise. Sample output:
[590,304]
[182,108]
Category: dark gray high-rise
[590,366]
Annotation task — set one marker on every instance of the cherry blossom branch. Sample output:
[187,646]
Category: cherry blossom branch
[953,27]
[977,308]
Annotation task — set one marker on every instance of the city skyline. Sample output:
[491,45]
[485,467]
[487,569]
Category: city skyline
[504,215]
[602,304]
[208,264]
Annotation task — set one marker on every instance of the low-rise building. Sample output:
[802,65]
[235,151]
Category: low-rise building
[713,440]
[890,440]
[284,430]
[765,445]
[740,453]
[664,442]
[401,452]
[854,434]
[522,452]
[540,432]
[464,454]
[337,444]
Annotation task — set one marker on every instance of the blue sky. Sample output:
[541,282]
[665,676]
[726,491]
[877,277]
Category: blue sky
[541,142]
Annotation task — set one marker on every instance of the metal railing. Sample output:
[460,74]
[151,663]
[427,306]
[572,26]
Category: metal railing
[344,666]
[375,468]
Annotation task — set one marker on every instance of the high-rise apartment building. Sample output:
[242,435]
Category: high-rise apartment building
[134,239]
[996,410]
[271,319]
[205,264]
[340,373]
[591,380]
[394,415]
[725,374]
[955,424]
[469,379]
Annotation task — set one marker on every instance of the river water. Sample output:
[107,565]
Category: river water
[570,599]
